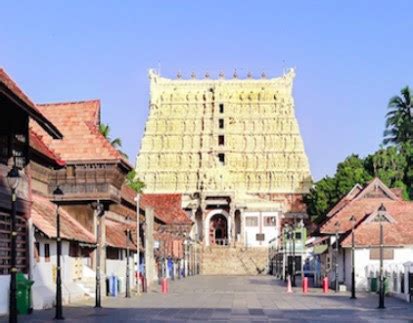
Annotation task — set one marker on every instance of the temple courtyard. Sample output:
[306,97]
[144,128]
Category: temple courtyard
[237,299]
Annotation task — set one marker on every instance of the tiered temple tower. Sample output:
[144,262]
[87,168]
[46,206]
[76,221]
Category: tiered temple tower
[232,148]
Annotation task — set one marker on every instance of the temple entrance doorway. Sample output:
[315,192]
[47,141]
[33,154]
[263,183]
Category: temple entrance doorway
[218,230]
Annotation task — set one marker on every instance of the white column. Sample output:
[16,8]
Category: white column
[242,227]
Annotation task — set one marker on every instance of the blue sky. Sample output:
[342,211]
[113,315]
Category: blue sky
[350,58]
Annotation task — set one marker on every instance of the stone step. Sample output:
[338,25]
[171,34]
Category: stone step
[218,260]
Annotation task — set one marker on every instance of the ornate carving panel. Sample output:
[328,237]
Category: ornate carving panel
[262,150]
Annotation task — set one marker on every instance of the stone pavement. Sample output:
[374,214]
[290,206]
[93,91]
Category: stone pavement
[237,299]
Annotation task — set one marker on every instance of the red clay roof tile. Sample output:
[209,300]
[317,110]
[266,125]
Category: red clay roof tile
[43,215]
[79,122]
[116,235]
[365,203]
[167,207]
[36,143]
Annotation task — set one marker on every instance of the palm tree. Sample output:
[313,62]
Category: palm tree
[399,120]
[104,129]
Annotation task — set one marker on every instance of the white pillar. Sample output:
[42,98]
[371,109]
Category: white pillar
[242,227]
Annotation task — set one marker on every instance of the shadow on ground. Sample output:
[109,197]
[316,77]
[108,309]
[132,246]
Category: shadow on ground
[88,314]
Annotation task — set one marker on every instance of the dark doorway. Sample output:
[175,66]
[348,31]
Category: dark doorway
[218,230]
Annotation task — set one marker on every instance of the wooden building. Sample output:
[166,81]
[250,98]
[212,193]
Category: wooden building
[16,111]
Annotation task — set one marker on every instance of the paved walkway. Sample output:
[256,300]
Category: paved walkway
[237,299]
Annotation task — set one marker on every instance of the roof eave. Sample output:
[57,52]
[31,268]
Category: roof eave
[49,127]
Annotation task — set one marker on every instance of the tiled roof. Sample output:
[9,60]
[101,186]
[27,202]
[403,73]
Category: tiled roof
[43,215]
[128,194]
[345,200]
[167,207]
[399,232]
[365,204]
[79,123]
[116,236]
[30,107]
[37,144]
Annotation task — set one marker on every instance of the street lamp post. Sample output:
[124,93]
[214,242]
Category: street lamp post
[58,193]
[13,178]
[288,249]
[337,226]
[127,284]
[293,270]
[138,258]
[353,272]
[99,213]
[381,215]
[144,278]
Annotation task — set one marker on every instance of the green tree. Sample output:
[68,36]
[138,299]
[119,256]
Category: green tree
[320,198]
[104,129]
[399,120]
[329,190]
[133,181]
[349,173]
[389,164]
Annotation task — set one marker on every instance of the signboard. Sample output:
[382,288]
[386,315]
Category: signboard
[388,254]
[260,236]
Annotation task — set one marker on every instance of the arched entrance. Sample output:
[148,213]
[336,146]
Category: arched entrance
[218,230]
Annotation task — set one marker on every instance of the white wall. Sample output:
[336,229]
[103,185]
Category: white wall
[363,265]
[4,295]
[44,275]
[270,232]
[118,268]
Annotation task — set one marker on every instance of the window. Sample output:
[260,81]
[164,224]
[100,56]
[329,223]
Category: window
[46,252]
[221,123]
[221,140]
[221,158]
[37,251]
[260,237]
[221,108]
[251,221]
[270,221]
[298,236]
[74,249]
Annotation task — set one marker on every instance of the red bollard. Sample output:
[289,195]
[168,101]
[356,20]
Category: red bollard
[164,286]
[305,285]
[325,285]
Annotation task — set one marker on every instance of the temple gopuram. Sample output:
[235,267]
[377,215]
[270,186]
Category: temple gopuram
[232,149]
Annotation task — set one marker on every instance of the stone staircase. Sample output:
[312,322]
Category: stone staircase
[225,260]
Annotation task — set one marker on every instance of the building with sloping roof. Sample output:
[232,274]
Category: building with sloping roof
[16,111]
[95,171]
[362,203]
